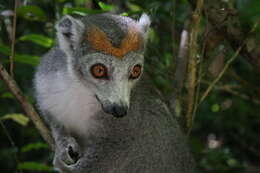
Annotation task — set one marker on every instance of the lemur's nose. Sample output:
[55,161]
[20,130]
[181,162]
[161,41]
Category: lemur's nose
[117,111]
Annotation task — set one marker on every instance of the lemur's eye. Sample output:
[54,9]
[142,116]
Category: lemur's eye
[99,71]
[136,71]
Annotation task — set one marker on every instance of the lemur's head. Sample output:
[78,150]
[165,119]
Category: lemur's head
[106,53]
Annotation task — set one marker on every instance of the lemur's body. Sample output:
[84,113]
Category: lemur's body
[92,71]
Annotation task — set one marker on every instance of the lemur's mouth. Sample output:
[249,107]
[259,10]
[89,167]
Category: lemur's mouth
[117,111]
[102,106]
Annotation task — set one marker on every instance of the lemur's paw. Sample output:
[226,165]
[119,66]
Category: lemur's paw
[68,151]
[73,153]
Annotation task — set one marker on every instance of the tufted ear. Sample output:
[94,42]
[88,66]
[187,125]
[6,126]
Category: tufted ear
[69,32]
[144,22]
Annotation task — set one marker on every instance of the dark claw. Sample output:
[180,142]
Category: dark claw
[73,155]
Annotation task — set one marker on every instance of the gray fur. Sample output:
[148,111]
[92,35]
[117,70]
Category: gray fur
[147,140]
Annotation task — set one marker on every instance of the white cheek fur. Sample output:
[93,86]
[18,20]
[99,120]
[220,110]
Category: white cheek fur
[72,104]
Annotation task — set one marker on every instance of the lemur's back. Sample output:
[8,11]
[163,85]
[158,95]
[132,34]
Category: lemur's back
[104,114]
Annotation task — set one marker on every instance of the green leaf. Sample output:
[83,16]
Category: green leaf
[38,39]
[215,108]
[124,14]
[232,162]
[153,36]
[34,166]
[31,13]
[251,15]
[104,6]
[4,49]
[19,118]
[80,11]
[7,95]
[25,59]
[134,7]
[34,146]
[82,2]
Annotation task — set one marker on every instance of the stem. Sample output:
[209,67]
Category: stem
[13,39]
[28,108]
[192,68]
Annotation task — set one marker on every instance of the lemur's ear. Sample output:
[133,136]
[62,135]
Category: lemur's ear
[144,22]
[69,32]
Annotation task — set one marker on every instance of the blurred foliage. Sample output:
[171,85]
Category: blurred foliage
[19,118]
[225,136]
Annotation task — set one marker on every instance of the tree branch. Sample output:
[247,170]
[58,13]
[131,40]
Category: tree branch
[192,66]
[227,24]
[231,89]
[205,94]
[28,108]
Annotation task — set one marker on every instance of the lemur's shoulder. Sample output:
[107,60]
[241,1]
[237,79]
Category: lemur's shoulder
[53,61]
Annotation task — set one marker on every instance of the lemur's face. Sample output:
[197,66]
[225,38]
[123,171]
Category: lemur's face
[113,79]
[111,59]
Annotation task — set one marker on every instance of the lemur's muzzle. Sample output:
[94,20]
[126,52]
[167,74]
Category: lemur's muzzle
[117,111]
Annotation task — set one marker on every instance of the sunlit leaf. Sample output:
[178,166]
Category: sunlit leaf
[19,118]
[34,166]
[34,146]
[104,6]
[124,14]
[215,108]
[38,39]
[32,13]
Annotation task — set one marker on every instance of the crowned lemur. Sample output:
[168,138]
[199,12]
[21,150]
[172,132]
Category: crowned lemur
[103,112]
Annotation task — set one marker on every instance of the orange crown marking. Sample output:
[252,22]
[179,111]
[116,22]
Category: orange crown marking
[99,41]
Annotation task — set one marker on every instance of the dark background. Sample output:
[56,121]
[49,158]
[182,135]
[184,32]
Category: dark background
[225,136]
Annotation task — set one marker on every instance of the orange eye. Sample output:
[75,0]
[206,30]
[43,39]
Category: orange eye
[99,71]
[136,71]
